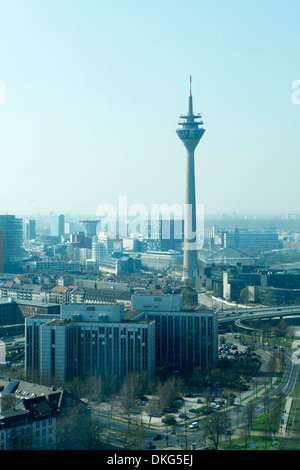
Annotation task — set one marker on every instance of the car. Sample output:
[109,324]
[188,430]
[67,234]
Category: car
[199,400]
[140,402]
[142,398]
[194,410]
[194,425]
[135,411]
[178,402]
[183,416]
[156,437]
[150,446]
[216,406]
[171,410]
[189,395]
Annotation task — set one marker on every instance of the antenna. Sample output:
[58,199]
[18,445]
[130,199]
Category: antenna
[190,85]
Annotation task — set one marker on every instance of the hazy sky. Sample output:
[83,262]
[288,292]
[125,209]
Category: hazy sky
[94,90]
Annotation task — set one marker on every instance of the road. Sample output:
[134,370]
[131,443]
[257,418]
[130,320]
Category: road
[184,437]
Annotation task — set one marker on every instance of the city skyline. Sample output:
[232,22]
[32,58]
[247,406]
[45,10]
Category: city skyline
[93,92]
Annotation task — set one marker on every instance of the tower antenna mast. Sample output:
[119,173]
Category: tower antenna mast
[190,133]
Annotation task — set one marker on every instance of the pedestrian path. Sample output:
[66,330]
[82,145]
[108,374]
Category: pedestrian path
[285,415]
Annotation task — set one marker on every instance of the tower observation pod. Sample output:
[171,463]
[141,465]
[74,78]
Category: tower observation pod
[190,133]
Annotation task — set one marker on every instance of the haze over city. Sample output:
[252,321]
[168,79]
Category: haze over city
[94,91]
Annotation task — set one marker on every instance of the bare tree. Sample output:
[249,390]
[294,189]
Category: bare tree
[93,388]
[73,430]
[151,408]
[166,393]
[272,365]
[249,415]
[7,402]
[214,427]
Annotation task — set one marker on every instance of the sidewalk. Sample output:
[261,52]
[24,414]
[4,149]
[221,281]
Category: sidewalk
[286,415]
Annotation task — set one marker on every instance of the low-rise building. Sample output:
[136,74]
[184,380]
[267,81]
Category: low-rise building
[37,421]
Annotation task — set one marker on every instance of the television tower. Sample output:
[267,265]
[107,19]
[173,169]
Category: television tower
[190,134]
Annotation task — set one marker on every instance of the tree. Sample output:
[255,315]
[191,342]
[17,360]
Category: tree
[272,364]
[281,328]
[152,407]
[166,393]
[93,388]
[249,415]
[7,402]
[189,296]
[244,295]
[214,427]
[128,398]
[73,430]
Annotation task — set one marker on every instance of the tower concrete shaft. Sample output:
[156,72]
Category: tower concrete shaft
[190,133]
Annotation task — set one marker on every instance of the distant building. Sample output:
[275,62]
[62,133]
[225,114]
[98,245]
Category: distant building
[165,234]
[160,303]
[30,232]
[48,265]
[61,295]
[15,311]
[57,225]
[11,241]
[251,241]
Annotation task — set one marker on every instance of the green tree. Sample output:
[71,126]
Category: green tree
[244,295]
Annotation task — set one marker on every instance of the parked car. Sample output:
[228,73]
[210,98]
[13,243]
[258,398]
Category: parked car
[135,411]
[194,410]
[150,446]
[171,410]
[217,406]
[194,425]
[156,437]
[140,402]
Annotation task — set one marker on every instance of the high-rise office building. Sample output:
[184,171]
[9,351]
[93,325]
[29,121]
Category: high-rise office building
[11,241]
[190,134]
[89,339]
[30,233]
[184,339]
[90,227]
[57,225]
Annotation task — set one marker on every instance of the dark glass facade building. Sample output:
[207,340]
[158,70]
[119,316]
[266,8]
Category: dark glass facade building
[11,244]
